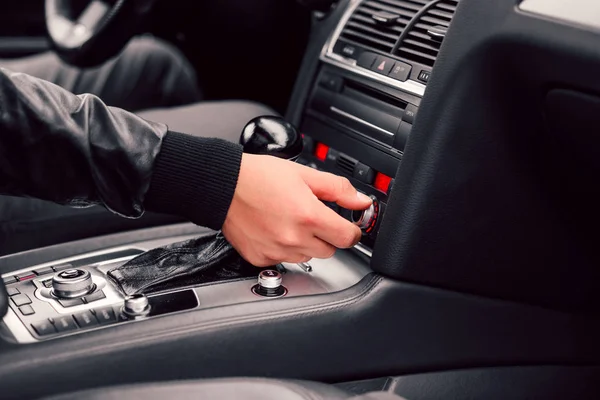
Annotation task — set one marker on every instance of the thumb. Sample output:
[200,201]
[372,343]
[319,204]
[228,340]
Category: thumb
[330,187]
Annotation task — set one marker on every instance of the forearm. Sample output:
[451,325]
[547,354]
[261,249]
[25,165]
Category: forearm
[75,150]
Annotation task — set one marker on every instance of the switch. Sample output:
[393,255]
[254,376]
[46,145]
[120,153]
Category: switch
[12,291]
[62,267]
[26,310]
[106,316]
[25,276]
[383,65]
[364,173]
[99,295]
[366,60]
[321,151]
[9,279]
[382,182]
[44,271]
[401,71]
[70,302]
[346,49]
[424,76]
[86,319]
[44,327]
[65,324]
[410,113]
[21,300]
[332,82]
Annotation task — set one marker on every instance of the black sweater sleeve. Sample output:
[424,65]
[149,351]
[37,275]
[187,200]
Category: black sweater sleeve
[195,177]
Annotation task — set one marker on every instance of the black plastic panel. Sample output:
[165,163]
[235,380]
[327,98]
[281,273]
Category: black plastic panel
[478,205]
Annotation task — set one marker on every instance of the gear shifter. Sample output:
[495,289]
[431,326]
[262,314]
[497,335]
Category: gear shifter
[209,258]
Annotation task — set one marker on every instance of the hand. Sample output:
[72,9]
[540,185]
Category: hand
[276,215]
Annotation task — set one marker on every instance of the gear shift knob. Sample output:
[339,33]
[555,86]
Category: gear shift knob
[272,136]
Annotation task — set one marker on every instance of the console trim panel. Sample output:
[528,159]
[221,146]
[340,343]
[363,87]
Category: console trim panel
[329,57]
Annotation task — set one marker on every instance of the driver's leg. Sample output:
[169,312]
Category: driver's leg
[148,73]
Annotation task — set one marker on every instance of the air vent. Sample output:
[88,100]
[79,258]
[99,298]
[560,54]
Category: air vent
[346,164]
[420,44]
[378,24]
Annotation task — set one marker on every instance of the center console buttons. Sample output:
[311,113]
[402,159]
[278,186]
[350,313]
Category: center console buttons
[44,327]
[85,319]
[65,324]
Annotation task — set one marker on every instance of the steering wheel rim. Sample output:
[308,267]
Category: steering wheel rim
[95,35]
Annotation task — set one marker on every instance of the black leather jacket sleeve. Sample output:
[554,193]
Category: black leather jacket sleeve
[75,150]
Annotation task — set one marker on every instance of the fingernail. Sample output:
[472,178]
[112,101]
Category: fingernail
[363,197]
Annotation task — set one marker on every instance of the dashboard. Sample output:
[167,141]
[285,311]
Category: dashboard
[366,94]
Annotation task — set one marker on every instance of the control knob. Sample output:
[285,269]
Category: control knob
[269,284]
[367,219]
[136,305]
[72,283]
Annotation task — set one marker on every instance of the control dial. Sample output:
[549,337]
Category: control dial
[269,284]
[72,283]
[367,219]
[136,305]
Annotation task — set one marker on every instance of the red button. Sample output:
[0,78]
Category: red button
[321,151]
[382,182]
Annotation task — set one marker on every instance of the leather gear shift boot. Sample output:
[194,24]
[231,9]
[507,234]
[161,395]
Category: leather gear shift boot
[205,259]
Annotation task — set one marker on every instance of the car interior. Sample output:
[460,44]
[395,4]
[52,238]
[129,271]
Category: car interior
[472,126]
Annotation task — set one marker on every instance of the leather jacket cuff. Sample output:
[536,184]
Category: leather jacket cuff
[194,177]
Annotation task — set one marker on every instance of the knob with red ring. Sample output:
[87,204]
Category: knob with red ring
[367,219]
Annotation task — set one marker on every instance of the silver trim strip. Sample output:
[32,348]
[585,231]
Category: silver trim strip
[581,12]
[363,249]
[329,57]
[362,121]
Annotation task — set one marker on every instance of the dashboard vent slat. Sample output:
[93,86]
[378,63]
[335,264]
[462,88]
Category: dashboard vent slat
[417,45]
[346,164]
[364,31]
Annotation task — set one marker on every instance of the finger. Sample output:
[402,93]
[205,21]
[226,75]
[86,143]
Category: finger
[334,229]
[330,187]
[317,248]
[296,258]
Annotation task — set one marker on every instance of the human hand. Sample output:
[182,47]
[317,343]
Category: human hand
[275,214]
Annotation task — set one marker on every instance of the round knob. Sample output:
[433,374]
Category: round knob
[136,305]
[269,284]
[366,219]
[72,283]
[273,136]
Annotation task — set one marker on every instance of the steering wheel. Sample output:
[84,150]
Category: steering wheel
[86,33]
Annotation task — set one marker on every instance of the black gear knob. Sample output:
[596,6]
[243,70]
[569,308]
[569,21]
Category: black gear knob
[272,136]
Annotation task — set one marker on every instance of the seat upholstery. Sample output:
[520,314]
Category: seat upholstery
[224,389]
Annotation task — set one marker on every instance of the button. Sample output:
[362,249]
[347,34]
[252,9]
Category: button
[99,295]
[26,310]
[65,324]
[346,49]
[364,173]
[62,267]
[402,135]
[43,328]
[44,271]
[21,300]
[424,76]
[70,302]
[12,291]
[106,316]
[9,279]
[47,283]
[25,276]
[309,143]
[410,113]
[332,82]
[401,71]
[383,65]
[331,159]
[382,182]
[366,60]
[321,151]
[85,319]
